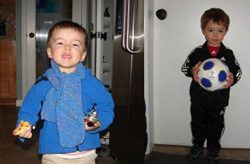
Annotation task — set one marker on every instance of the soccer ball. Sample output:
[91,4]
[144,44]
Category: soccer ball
[213,74]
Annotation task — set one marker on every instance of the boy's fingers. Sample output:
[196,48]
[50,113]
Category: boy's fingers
[26,133]
[16,130]
[30,135]
[22,127]
[96,126]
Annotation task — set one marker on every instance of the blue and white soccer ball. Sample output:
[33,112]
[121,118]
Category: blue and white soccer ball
[213,74]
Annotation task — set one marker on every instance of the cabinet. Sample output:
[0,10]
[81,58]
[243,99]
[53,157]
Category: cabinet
[7,1]
[7,72]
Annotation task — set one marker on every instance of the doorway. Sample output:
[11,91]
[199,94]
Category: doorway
[47,14]
[38,16]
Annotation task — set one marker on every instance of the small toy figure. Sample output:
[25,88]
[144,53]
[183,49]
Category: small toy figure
[24,125]
[91,118]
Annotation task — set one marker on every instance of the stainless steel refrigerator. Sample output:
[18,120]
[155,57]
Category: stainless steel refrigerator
[128,137]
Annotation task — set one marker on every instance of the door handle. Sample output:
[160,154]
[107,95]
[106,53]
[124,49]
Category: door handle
[31,35]
[133,26]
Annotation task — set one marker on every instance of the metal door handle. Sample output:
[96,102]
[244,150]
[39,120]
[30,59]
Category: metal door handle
[31,35]
[133,26]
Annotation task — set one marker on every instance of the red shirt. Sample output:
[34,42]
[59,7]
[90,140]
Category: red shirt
[213,50]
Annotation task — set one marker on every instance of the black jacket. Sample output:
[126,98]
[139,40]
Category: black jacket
[217,98]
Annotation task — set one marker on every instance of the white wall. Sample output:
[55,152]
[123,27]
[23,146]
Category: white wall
[149,70]
[108,45]
[171,42]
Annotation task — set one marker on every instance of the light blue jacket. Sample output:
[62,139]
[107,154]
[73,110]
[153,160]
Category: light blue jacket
[94,94]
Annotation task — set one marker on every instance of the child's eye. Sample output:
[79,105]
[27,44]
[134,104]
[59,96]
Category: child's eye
[76,45]
[59,43]
[210,30]
[221,31]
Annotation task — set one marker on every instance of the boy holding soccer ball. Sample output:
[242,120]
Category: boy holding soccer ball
[208,108]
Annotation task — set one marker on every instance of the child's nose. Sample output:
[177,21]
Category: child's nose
[67,47]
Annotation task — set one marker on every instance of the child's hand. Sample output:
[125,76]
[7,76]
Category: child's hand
[23,130]
[96,126]
[230,81]
[195,71]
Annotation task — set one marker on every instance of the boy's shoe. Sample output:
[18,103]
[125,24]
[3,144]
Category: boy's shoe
[194,153]
[213,157]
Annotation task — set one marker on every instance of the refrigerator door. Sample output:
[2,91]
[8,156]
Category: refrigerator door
[128,137]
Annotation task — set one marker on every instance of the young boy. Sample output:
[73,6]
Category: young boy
[208,108]
[63,96]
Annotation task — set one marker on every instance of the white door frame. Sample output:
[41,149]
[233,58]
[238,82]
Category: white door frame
[29,43]
[28,54]
[99,40]
[97,11]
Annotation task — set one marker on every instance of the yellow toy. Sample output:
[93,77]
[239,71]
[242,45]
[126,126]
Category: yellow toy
[23,126]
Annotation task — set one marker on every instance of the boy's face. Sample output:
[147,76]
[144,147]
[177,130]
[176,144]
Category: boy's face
[214,33]
[67,48]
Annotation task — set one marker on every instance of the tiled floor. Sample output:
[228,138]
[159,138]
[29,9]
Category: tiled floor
[235,154]
[12,151]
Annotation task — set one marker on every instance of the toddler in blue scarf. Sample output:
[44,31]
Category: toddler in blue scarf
[64,100]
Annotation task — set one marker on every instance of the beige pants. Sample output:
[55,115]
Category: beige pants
[51,159]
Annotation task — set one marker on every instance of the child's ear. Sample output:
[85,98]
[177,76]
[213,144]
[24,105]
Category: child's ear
[49,53]
[83,55]
[202,31]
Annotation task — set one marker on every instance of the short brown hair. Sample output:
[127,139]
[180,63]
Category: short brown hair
[68,25]
[217,16]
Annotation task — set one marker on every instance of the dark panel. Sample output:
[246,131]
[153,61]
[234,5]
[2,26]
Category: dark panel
[128,132]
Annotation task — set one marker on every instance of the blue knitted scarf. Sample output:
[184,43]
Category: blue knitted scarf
[63,104]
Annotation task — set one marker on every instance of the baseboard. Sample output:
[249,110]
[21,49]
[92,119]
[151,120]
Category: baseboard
[225,153]
[19,103]
[7,101]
